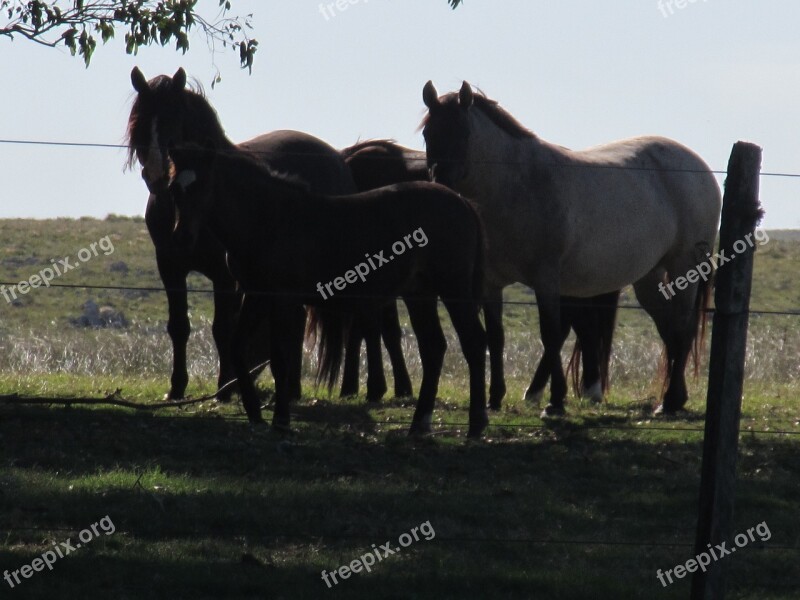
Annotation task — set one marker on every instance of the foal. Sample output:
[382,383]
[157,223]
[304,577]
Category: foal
[285,242]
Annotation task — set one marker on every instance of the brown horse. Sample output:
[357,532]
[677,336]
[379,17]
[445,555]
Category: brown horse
[374,164]
[166,112]
[290,246]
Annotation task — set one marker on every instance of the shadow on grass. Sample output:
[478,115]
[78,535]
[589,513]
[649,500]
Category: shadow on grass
[212,508]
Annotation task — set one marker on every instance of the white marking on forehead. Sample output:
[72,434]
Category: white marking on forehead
[186,178]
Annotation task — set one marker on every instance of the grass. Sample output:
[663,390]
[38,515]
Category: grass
[206,506]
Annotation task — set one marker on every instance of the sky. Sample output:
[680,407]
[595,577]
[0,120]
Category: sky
[577,72]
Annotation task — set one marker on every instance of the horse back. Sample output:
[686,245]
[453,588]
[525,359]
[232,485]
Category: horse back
[304,156]
[413,236]
[379,163]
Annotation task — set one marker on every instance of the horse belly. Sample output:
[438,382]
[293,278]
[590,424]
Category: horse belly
[605,267]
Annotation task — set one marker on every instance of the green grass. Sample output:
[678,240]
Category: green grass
[207,506]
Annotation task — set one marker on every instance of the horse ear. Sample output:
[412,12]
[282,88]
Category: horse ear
[179,80]
[138,81]
[465,96]
[430,96]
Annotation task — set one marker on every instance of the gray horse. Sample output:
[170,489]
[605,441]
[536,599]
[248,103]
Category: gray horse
[581,223]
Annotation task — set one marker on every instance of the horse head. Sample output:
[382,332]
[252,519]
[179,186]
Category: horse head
[446,131]
[157,122]
[191,190]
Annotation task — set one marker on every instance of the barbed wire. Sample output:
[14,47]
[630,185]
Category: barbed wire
[301,296]
[390,158]
[250,533]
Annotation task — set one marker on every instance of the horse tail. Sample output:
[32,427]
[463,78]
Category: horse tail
[701,305]
[605,308]
[331,328]
[574,371]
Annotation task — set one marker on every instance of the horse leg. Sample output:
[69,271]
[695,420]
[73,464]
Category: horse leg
[472,337]
[392,338]
[226,305]
[676,321]
[376,379]
[287,324]
[178,327]
[352,361]
[584,318]
[432,346]
[495,337]
[535,391]
[551,329]
[249,316]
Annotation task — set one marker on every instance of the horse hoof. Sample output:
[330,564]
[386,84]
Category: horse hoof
[495,405]
[534,398]
[668,411]
[477,426]
[594,393]
[403,392]
[551,411]
[374,399]
[421,427]
[281,426]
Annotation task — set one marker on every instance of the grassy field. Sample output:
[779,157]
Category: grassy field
[205,506]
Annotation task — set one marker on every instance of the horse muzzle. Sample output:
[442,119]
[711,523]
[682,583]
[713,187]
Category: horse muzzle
[156,186]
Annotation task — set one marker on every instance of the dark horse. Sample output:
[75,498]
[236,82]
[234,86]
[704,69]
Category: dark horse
[289,246]
[164,113]
[375,163]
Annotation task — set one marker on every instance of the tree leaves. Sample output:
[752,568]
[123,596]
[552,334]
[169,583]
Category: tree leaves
[146,22]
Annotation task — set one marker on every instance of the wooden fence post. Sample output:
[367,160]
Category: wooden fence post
[741,212]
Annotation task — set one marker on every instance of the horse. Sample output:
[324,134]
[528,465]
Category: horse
[375,163]
[642,210]
[166,112]
[289,246]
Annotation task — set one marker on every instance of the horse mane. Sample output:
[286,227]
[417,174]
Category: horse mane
[192,100]
[492,109]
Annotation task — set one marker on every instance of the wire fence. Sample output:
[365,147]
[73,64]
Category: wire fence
[338,537]
[390,158]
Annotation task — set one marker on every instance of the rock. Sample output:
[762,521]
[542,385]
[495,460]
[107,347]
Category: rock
[99,317]
[119,267]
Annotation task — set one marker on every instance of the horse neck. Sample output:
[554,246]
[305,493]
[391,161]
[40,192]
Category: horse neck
[204,125]
[496,158]
[248,209]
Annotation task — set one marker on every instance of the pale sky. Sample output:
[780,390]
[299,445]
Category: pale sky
[578,73]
